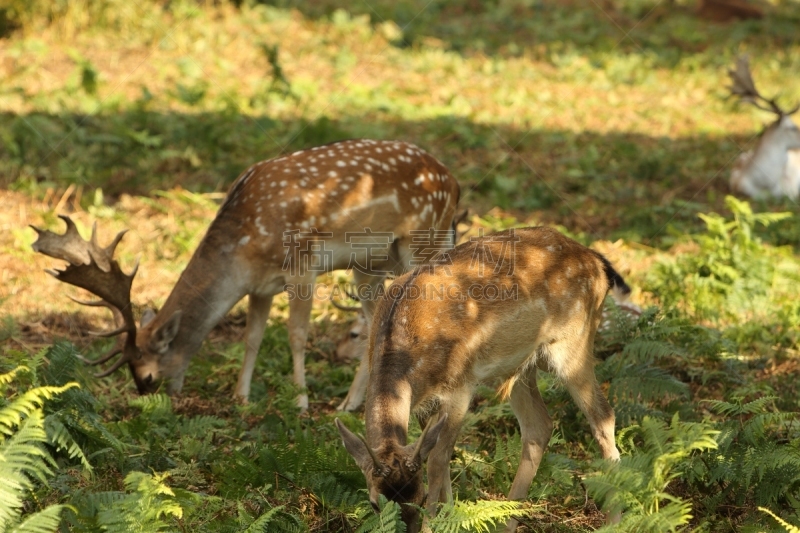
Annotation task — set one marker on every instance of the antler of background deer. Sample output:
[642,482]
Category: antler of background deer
[745,88]
[347,308]
[93,268]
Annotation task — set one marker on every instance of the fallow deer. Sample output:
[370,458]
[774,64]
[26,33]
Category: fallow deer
[352,345]
[493,310]
[361,204]
[773,167]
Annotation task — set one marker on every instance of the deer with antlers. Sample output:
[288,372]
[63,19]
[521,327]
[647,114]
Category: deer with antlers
[773,167]
[360,204]
[496,309]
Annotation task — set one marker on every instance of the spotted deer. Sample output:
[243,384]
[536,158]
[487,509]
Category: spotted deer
[358,204]
[493,310]
[352,345]
[772,168]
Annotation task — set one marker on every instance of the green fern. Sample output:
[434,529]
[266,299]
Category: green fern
[670,517]
[479,516]
[45,521]
[387,521]
[60,438]
[148,505]
[732,274]
[261,523]
[154,406]
[738,407]
[638,484]
[72,421]
[28,402]
[24,460]
[753,463]
[638,386]
[787,526]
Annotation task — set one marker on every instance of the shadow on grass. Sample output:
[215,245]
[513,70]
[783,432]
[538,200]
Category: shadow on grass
[602,185]
[666,32]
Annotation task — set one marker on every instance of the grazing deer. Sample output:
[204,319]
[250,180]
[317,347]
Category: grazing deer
[351,345]
[773,167]
[493,310]
[361,204]
[354,343]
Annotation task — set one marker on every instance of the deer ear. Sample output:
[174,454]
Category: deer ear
[428,439]
[147,317]
[356,446]
[460,217]
[165,334]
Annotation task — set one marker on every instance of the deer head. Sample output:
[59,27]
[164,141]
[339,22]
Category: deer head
[764,169]
[352,345]
[395,472]
[93,268]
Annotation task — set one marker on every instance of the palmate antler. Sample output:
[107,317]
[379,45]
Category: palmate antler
[94,268]
[745,88]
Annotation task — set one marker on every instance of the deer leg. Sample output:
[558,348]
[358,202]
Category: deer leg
[299,317]
[586,392]
[536,426]
[355,396]
[584,389]
[440,488]
[257,315]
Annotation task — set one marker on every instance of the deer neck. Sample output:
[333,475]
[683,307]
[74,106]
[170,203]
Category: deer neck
[770,156]
[208,288]
[388,411]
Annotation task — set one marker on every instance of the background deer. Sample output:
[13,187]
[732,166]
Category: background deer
[493,310]
[360,204]
[773,167]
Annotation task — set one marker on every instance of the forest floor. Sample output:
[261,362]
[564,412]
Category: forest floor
[608,120]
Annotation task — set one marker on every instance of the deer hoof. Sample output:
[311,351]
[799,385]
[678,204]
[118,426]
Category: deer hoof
[302,402]
[348,405]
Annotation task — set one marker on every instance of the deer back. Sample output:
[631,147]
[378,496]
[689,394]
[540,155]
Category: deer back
[486,313]
[327,192]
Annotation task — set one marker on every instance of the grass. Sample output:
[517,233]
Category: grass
[608,119]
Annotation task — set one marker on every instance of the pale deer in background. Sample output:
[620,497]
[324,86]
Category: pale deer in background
[494,310]
[773,167]
[353,204]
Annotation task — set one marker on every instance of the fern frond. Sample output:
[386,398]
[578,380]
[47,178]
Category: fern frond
[756,428]
[789,527]
[23,405]
[644,350]
[261,523]
[481,516]
[22,459]
[670,517]
[388,521]
[333,494]
[8,377]
[645,383]
[153,405]
[199,426]
[148,504]
[59,437]
[45,521]
[619,489]
[737,408]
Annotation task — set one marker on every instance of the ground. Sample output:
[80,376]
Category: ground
[609,120]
